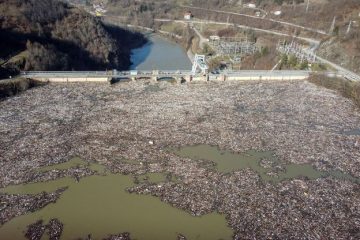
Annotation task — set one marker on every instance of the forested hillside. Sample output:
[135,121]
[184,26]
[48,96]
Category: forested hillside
[51,35]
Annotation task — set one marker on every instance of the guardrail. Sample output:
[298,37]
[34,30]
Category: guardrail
[101,73]
[182,73]
[158,72]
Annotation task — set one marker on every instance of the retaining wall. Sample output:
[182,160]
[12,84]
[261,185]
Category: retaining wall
[73,79]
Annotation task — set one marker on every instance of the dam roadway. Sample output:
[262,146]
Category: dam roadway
[104,76]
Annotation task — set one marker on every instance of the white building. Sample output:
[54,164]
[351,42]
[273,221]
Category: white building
[187,16]
[214,38]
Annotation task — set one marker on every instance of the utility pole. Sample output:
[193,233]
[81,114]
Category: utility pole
[332,28]
[307,6]
[349,28]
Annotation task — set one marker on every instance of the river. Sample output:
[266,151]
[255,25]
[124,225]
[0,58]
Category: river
[160,54]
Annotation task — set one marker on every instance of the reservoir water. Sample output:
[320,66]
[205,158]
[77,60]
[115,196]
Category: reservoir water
[100,205]
[264,163]
[160,54]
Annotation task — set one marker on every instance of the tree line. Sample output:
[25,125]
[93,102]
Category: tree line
[57,36]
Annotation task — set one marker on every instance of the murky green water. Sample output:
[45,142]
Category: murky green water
[99,205]
[152,178]
[74,162]
[157,178]
[227,161]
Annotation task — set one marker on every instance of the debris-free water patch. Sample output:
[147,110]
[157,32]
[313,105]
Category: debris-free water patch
[263,163]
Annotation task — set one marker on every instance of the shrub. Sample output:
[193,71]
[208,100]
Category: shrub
[46,57]
[346,88]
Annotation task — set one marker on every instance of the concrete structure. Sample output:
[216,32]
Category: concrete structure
[187,16]
[214,38]
[199,62]
[155,75]
[74,79]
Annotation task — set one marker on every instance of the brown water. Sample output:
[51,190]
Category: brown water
[99,205]
[227,161]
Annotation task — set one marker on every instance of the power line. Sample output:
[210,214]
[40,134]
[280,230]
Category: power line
[307,6]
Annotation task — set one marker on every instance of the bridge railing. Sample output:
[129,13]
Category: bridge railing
[176,73]
[103,73]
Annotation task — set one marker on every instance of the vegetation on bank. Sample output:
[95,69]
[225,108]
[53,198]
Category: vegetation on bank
[346,88]
[56,36]
[11,87]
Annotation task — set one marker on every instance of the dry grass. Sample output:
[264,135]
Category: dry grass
[10,87]
[346,88]
[173,28]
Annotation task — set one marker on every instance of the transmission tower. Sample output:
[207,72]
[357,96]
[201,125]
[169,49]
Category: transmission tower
[296,49]
[332,28]
[199,62]
[307,6]
[233,47]
[349,28]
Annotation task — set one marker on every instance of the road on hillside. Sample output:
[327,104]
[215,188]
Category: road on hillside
[260,18]
[314,44]
[309,40]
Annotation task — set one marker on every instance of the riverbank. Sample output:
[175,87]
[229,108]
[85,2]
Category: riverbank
[30,41]
[187,42]
[11,87]
[129,127]
[346,88]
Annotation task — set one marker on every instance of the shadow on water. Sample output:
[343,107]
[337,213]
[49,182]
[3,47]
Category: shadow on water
[100,205]
[139,55]
[264,163]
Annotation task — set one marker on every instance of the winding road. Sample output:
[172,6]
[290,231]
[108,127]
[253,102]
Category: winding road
[273,32]
[314,43]
[260,18]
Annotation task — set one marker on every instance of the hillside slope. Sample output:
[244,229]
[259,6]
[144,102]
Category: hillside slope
[51,35]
